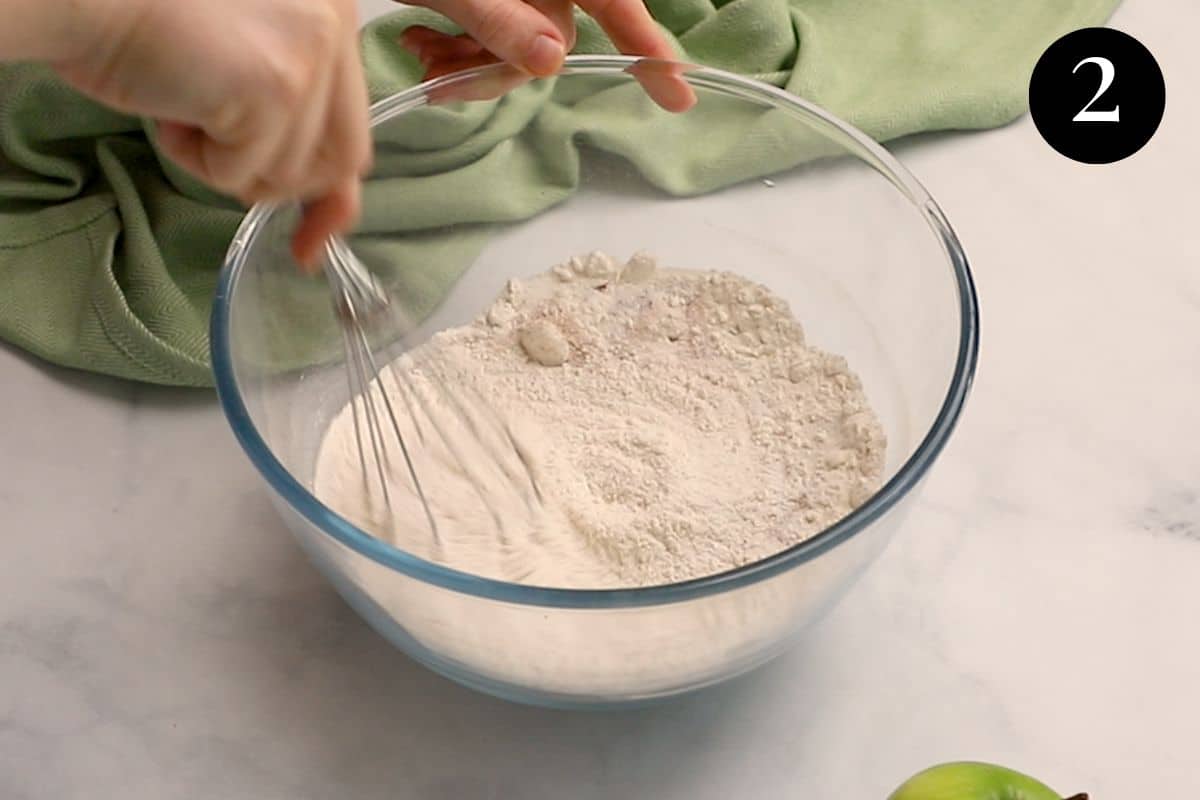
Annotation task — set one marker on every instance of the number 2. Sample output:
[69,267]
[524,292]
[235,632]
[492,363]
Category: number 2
[1107,73]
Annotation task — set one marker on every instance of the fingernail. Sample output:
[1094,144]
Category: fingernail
[544,56]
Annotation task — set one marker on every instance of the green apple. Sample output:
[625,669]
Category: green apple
[972,780]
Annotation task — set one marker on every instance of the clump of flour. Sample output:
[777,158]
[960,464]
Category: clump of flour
[676,423]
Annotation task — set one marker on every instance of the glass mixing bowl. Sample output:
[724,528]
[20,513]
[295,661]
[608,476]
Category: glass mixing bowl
[752,180]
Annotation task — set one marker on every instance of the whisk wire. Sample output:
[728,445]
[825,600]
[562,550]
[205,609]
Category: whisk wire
[498,425]
[361,302]
[369,359]
[374,432]
[354,402]
[407,388]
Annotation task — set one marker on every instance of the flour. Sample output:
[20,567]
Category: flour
[676,422]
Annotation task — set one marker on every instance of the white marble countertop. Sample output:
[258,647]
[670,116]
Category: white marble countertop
[161,637]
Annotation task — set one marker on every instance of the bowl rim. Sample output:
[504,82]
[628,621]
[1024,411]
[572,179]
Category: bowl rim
[346,533]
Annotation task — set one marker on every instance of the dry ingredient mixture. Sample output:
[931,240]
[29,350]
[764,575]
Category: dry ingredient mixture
[676,423]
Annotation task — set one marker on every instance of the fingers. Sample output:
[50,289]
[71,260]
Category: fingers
[511,29]
[225,167]
[327,140]
[629,24]
[433,48]
[276,150]
[301,129]
[272,136]
[293,166]
[181,143]
[346,146]
[664,82]
[436,69]
[562,14]
[327,216]
[265,104]
[194,149]
[444,53]
[489,90]
[350,116]
[416,34]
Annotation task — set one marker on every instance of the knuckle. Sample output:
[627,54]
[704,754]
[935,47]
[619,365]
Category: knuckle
[495,22]
[233,183]
[320,175]
[321,28]
[228,120]
[290,176]
[301,172]
[312,189]
[285,79]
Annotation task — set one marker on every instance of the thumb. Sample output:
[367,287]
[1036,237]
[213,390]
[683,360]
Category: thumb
[511,29]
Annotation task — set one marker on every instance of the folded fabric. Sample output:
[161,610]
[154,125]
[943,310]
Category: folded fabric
[109,255]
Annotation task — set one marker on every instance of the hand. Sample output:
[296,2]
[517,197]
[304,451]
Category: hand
[535,36]
[264,100]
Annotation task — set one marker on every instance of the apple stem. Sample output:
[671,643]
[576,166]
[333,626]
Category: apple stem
[1080,796]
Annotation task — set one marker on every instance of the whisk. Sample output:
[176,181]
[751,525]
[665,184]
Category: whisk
[362,306]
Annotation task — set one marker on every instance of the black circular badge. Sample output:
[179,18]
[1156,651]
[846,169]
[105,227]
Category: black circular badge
[1097,95]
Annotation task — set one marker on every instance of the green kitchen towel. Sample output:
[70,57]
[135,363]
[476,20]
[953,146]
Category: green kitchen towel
[109,255]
